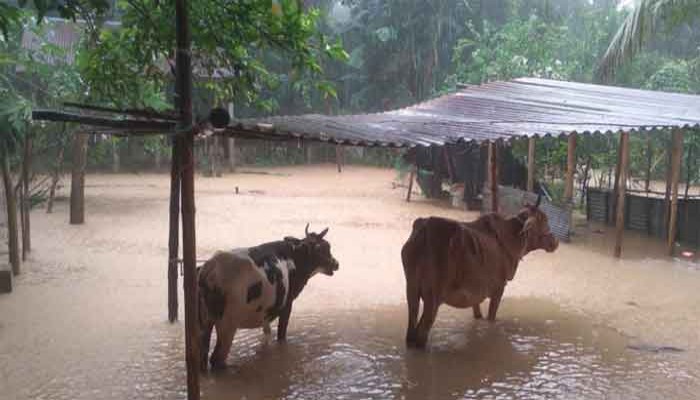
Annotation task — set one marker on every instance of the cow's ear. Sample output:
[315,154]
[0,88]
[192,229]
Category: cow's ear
[323,233]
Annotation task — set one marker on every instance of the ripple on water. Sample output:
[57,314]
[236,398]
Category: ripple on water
[360,355]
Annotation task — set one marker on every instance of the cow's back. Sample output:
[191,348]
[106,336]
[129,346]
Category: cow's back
[428,245]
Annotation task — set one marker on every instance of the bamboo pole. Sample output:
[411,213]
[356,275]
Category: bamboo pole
[622,185]
[531,164]
[493,175]
[183,90]
[174,230]
[676,154]
[570,169]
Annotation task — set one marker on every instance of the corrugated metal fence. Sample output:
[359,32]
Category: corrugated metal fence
[647,214]
[512,200]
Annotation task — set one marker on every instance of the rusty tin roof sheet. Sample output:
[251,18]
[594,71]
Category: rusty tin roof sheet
[494,111]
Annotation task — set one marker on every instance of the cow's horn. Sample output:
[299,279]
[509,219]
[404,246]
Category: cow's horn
[306,230]
[539,199]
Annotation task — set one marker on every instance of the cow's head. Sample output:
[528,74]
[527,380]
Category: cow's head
[536,229]
[316,252]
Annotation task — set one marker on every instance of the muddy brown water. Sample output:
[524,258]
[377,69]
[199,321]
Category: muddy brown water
[87,319]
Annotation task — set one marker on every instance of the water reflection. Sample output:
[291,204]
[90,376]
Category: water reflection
[534,351]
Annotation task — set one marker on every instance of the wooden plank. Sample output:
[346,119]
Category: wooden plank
[493,175]
[570,169]
[620,214]
[531,164]
[676,154]
[183,89]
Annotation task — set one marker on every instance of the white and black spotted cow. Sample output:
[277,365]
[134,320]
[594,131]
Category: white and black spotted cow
[250,287]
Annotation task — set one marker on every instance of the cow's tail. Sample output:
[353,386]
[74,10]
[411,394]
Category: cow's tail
[211,297]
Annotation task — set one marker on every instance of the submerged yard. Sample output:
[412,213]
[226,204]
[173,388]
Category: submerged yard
[88,318]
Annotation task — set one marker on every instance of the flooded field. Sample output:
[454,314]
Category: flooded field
[88,318]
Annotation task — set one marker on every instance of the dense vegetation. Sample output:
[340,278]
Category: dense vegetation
[335,56]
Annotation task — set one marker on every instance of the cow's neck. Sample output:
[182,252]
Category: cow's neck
[511,239]
[301,274]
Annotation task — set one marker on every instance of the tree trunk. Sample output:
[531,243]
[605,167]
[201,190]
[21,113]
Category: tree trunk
[217,156]
[55,178]
[26,197]
[77,187]
[158,157]
[116,163]
[231,144]
[10,200]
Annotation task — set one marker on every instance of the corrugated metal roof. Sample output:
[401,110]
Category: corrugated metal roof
[493,111]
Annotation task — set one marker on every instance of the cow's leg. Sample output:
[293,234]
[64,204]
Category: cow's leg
[494,302]
[413,299]
[267,330]
[283,322]
[430,309]
[204,340]
[225,331]
[477,311]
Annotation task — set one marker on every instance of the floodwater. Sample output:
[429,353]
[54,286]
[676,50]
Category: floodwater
[87,319]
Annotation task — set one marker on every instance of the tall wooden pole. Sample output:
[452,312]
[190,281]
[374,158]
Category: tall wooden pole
[493,175]
[174,230]
[183,90]
[77,186]
[676,154]
[650,159]
[570,169]
[531,164]
[622,185]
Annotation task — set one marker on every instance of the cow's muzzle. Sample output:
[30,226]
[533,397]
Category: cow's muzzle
[331,267]
[552,244]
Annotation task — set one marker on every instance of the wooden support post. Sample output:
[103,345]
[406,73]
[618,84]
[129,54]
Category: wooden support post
[174,231]
[570,170]
[531,164]
[410,183]
[26,197]
[622,185]
[493,175]
[650,159]
[183,90]
[676,154]
[77,187]
[339,157]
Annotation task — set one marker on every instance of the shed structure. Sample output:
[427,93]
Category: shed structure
[493,113]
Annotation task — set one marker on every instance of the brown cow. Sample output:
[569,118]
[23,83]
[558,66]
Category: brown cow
[461,264]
